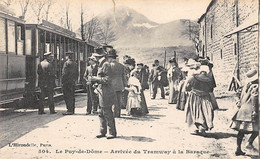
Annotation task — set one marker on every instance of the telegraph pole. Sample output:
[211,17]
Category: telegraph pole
[164,59]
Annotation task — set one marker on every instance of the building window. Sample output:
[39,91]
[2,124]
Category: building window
[203,51]
[11,36]
[3,36]
[235,49]
[221,56]
[28,37]
[211,31]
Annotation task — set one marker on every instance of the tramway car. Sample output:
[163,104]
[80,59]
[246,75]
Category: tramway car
[21,49]
[12,57]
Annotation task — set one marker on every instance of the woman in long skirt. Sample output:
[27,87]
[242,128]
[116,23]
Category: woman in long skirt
[246,119]
[198,109]
[189,70]
[136,103]
[182,96]
[174,76]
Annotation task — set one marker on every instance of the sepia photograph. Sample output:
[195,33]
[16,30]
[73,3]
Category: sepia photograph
[129,79]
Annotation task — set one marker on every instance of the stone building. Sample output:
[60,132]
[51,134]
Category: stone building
[229,37]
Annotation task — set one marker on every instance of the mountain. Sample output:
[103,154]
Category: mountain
[133,29]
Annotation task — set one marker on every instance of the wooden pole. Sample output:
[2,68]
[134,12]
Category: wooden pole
[164,59]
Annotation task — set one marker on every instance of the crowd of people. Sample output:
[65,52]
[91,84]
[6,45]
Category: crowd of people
[112,86]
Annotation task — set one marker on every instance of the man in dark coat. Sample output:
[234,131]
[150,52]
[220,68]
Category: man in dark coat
[155,81]
[143,76]
[69,77]
[107,99]
[91,70]
[119,80]
[46,82]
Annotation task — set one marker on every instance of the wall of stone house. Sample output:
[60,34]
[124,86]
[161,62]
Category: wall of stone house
[248,50]
[248,41]
[222,50]
[202,37]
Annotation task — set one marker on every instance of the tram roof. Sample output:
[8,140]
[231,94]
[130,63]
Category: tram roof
[10,17]
[53,28]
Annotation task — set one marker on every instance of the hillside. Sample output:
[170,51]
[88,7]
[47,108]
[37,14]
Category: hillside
[133,29]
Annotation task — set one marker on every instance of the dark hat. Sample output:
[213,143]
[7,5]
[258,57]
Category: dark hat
[99,50]
[47,54]
[111,53]
[156,61]
[130,61]
[140,64]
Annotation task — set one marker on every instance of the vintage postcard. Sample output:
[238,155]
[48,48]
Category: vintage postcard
[129,79]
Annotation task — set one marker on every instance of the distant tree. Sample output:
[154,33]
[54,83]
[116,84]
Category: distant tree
[106,34]
[48,5]
[68,21]
[37,7]
[82,30]
[8,2]
[92,28]
[192,32]
[24,6]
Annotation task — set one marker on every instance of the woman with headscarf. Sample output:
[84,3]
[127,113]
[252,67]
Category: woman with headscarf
[189,70]
[136,103]
[198,109]
[246,119]
[174,76]
[129,64]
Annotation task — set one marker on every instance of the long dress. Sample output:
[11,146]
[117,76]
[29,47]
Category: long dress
[198,108]
[174,76]
[182,96]
[243,119]
[136,103]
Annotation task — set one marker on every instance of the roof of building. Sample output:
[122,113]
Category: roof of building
[209,6]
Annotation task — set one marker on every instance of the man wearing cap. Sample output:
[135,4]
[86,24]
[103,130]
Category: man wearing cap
[46,82]
[155,81]
[106,96]
[69,76]
[91,70]
[119,80]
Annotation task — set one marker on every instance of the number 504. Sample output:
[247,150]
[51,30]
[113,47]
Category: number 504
[44,151]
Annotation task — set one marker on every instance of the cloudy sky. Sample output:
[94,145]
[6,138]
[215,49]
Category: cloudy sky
[160,11]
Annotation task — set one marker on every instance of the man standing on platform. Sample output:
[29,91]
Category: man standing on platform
[143,76]
[91,70]
[107,98]
[46,82]
[69,77]
[119,80]
[154,79]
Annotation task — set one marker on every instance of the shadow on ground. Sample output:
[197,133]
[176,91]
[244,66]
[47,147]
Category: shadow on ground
[137,138]
[220,135]
[156,108]
[149,117]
